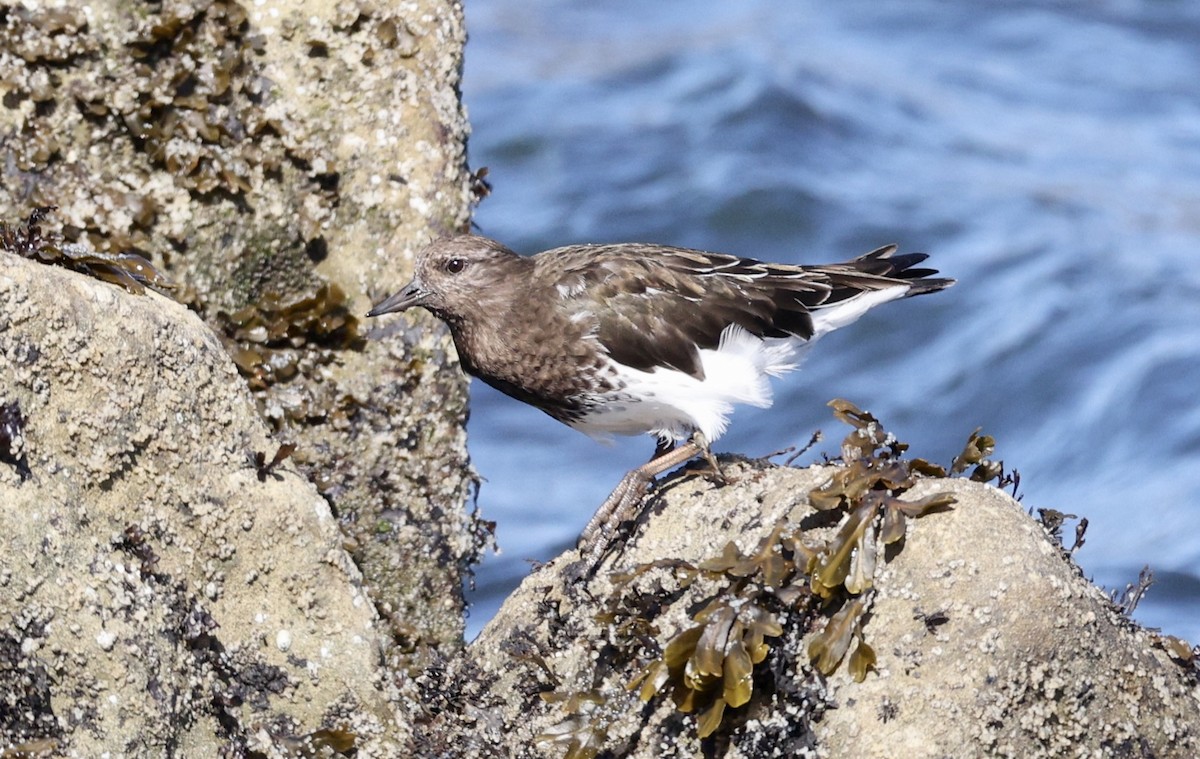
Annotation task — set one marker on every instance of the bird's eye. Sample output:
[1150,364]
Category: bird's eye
[455,265]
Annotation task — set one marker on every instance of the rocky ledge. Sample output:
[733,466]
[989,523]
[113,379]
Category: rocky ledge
[167,590]
[794,612]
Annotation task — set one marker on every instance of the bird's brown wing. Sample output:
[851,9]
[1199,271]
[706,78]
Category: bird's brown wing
[657,306]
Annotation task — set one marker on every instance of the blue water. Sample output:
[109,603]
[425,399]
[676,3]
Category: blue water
[1047,155]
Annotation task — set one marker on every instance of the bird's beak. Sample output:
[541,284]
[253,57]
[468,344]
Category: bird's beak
[412,295]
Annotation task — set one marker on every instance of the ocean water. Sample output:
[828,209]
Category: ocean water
[1047,155]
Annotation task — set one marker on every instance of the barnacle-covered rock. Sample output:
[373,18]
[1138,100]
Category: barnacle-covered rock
[160,593]
[746,621]
[278,162]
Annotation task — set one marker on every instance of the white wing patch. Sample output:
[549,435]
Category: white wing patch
[826,320]
[671,404]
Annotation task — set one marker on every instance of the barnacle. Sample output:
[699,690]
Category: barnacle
[584,728]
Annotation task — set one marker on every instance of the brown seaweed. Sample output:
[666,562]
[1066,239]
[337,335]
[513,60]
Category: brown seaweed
[129,270]
[717,664]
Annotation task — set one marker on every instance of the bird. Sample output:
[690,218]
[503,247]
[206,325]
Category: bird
[633,338]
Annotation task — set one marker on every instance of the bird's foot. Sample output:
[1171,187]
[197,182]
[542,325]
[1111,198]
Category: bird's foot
[712,471]
[625,503]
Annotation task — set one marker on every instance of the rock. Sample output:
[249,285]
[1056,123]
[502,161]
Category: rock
[157,596]
[989,642]
[163,594]
[259,151]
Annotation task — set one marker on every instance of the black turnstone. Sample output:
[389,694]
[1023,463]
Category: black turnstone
[638,338]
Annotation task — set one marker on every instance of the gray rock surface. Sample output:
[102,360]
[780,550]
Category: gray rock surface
[989,643]
[157,597]
[269,150]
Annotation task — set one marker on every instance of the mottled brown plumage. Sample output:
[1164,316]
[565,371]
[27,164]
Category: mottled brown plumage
[631,338]
[544,329]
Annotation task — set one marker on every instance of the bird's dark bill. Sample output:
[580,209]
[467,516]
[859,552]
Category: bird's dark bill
[410,296]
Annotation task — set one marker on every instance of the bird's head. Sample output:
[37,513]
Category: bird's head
[455,278]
